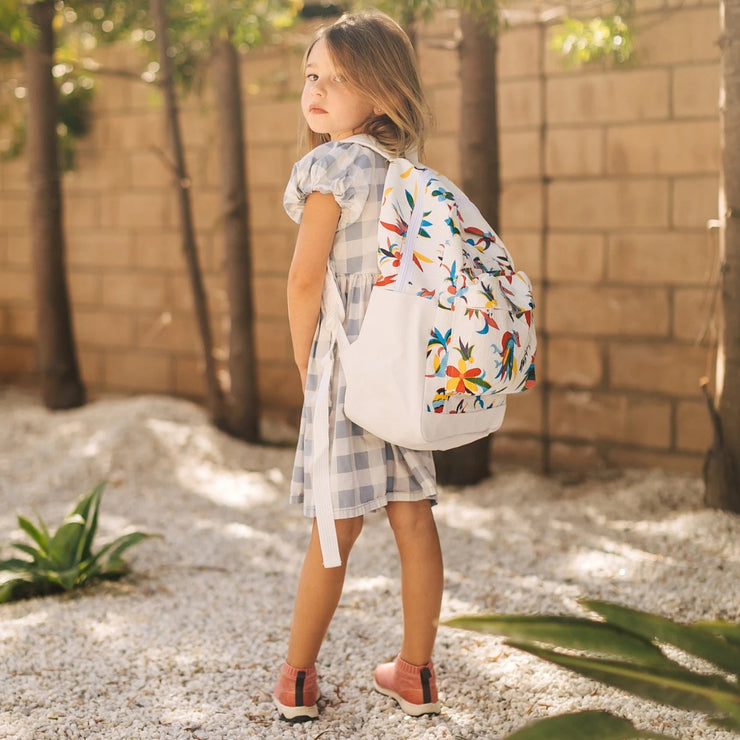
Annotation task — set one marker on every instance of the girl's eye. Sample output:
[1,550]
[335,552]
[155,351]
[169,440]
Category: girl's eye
[312,77]
[340,78]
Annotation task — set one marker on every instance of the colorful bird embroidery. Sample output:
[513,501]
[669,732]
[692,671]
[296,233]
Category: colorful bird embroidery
[508,362]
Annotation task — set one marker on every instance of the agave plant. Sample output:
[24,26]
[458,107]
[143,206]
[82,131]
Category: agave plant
[65,560]
[622,648]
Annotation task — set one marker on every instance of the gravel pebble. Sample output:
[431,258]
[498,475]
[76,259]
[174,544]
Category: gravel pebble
[188,645]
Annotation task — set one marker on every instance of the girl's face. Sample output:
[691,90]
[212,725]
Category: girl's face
[330,106]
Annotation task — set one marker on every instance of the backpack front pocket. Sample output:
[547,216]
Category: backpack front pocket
[475,353]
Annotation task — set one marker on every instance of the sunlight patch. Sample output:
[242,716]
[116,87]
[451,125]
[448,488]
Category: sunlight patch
[237,490]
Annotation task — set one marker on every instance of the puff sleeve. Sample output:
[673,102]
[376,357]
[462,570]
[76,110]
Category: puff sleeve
[337,168]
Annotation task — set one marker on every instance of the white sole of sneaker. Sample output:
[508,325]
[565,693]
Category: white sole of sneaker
[415,710]
[296,714]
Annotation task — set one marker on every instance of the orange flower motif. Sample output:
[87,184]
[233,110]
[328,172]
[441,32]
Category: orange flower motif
[462,378]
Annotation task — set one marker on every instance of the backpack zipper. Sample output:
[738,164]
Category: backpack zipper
[412,231]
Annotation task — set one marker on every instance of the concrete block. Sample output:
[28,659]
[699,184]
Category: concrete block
[576,257]
[99,248]
[17,360]
[16,286]
[176,333]
[154,208]
[609,97]
[574,362]
[100,328]
[517,451]
[446,105]
[693,427]
[272,340]
[520,52]
[695,315]
[157,250]
[521,205]
[18,248]
[525,248]
[520,155]
[84,287]
[607,311]
[190,377]
[632,457]
[134,290]
[575,457]
[613,204]
[667,369]
[138,370]
[696,91]
[635,419]
[695,201]
[669,258]
[519,103]
[20,323]
[678,148]
[575,151]
[524,413]
[679,35]
[15,210]
[270,298]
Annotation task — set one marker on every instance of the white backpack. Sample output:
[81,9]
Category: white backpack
[449,330]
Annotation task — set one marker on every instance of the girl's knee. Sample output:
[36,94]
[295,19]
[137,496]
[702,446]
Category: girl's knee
[410,515]
[348,530]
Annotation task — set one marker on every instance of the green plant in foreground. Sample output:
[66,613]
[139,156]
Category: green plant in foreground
[623,648]
[65,560]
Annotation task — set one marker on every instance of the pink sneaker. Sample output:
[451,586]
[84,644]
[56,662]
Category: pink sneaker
[414,687]
[296,693]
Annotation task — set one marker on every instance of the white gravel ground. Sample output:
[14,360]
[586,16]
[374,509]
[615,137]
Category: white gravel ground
[188,645]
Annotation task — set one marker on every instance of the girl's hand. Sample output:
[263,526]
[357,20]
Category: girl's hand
[307,270]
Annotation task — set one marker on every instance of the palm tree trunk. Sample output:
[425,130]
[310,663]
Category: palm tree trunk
[722,466]
[59,375]
[243,407]
[215,398]
[479,159]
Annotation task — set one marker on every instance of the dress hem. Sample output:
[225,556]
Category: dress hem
[370,506]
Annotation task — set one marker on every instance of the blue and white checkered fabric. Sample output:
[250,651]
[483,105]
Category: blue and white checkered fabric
[365,471]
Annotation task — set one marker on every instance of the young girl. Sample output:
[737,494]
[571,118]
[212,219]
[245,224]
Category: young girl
[361,85]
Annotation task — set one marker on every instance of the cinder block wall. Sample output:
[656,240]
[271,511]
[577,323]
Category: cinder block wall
[610,178]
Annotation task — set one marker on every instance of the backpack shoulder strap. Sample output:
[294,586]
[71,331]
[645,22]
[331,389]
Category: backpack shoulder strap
[371,143]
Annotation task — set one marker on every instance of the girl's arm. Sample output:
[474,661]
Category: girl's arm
[306,275]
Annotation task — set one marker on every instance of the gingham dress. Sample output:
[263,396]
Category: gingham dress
[365,471]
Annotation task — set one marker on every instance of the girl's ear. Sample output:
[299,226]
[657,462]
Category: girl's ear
[378,111]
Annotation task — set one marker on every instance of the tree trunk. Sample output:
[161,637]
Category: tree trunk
[215,398]
[479,159]
[243,407]
[722,466]
[59,375]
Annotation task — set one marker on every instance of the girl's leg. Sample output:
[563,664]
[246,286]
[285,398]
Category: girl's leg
[422,577]
[319,591]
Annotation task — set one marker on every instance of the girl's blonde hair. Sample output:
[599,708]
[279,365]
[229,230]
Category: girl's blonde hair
[376,57]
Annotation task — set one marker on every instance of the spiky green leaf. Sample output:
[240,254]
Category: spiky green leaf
[728,630]
[36,534]
[16,565]
[89,508]
[697,641]
[34,552]
[113,550]
[677,687]
[65,542]
[574,633]
[585,725]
